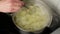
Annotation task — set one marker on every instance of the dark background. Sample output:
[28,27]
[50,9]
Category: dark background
[7,26]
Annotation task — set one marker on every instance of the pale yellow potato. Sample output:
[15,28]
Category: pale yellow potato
[32,18]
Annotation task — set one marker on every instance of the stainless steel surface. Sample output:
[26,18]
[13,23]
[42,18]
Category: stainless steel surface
[56,31]
[55,4]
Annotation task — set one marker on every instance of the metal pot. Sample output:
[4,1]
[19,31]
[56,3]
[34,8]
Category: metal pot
[39,3]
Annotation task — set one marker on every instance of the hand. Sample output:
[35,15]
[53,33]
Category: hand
[9,6]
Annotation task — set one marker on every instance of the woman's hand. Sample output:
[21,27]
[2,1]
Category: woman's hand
[9,6]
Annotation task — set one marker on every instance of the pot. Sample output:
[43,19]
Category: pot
[45,9]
